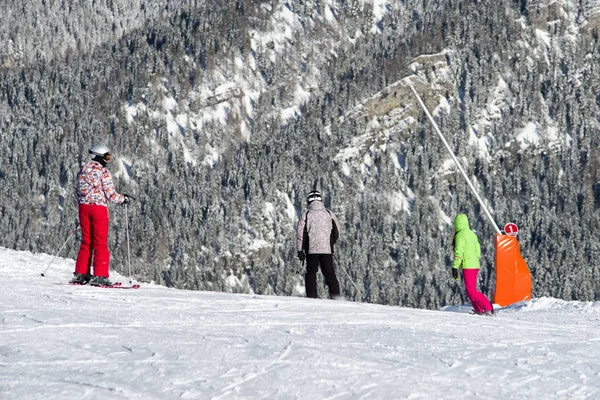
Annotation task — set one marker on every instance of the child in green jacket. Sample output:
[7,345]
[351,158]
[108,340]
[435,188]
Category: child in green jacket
[467,253]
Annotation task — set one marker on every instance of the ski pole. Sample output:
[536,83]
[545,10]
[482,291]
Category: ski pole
[343,269]
[64,244]
[127,235]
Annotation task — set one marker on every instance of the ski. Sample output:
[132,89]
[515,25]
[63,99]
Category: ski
[116,285]
[483,314]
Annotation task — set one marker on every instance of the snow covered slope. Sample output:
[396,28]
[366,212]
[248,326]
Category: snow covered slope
[65,342]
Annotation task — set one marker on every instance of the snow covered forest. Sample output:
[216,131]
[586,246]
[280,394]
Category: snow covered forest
[223,115]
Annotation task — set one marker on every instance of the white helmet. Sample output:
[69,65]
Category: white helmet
[100,150]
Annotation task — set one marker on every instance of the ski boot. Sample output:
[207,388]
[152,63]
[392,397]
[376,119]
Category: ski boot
[80,279]
[490,313]
[100,281]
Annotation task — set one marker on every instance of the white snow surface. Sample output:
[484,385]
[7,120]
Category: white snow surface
[80,342]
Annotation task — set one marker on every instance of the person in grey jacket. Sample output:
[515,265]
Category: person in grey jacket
[317,232]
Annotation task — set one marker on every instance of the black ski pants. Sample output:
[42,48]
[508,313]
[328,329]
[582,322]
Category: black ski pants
[310,278]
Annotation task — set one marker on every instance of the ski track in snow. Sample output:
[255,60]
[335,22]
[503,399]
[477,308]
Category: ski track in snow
[81,342]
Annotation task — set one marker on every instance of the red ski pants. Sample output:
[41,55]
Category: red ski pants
[479,302]
[93,220]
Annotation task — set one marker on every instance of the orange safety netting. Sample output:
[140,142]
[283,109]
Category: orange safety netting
[513,280]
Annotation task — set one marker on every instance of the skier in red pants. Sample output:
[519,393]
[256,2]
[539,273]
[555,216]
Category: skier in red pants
[95,189]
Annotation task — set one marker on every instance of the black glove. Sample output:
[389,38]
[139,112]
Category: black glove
[301,255]
[128,198]
[455,273]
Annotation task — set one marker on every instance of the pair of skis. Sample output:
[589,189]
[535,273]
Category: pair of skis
[115,285]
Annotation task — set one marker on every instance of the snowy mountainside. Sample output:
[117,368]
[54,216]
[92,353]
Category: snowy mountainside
[394,108]
[73,26]
[67,342]
[573,15]
[390,114]
[281,66]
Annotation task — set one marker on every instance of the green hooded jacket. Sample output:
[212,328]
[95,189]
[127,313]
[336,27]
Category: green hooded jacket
[466,246]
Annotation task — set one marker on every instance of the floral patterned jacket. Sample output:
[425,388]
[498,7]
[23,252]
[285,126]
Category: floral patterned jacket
[95,185]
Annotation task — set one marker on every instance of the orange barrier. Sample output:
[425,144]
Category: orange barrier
[513,280]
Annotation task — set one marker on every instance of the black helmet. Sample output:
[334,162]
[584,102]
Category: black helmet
[314,195]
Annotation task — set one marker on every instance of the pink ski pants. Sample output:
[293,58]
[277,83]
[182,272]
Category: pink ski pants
[480,303]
